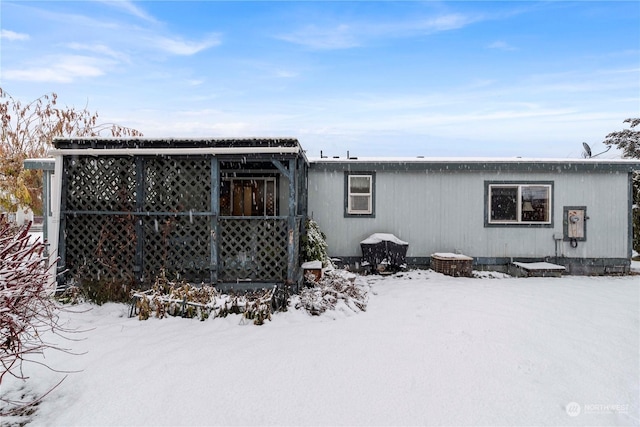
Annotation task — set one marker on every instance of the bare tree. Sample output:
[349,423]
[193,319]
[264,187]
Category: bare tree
[28,130]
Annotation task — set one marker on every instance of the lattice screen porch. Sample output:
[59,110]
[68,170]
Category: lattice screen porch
[128,218]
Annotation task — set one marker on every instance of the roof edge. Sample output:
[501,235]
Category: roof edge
[476,165]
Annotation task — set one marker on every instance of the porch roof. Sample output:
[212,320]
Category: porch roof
[111,146]
[251,147]
[170,142]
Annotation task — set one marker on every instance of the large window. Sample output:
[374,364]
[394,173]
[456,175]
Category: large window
[359,194]
[515,203]
[248,197]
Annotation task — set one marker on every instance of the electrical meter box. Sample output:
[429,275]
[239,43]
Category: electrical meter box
[575,223]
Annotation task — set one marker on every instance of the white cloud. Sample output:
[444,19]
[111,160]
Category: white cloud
[501,45]
[130,8]
[285,74]
[125,36]
[100,49]
[185,47]
[194,82]
[339,37]
[12,35]
[445,23]
[63,69]
[345,36]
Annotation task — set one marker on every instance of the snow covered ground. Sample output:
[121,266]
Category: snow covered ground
[429,350]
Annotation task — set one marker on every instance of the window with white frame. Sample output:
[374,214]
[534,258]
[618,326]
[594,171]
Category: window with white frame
[360,194]
[514,203]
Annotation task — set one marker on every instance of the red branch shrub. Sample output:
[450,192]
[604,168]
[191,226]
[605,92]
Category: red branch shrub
[26,306]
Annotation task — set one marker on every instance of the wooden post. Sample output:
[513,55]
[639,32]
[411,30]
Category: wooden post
[291,236]
[46,205]
[215,212]
[62,254]
[138,266]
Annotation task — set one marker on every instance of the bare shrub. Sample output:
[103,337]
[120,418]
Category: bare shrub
[27,309]
[167,298]
[329,291]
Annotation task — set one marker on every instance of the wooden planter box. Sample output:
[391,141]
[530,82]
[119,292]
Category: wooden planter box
[456,265]
[312,269]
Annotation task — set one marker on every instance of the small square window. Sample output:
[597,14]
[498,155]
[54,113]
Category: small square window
[360,194]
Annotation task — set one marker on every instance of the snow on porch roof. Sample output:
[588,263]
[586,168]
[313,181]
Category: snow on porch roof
[141,142]
[176,146]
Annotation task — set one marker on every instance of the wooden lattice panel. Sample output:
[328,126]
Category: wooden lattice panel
[100,248]
[100,183]
[167,225]
[177,184]
[253,249]
[180,245]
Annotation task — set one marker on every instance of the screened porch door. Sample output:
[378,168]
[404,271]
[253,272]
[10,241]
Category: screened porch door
[253,197]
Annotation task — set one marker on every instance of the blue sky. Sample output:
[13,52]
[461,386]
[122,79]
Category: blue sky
[408,78]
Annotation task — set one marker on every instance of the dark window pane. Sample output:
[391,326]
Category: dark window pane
[504,203]
[225,197]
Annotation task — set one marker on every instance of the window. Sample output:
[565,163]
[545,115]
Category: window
[359,194]
[514,203]
[248,197]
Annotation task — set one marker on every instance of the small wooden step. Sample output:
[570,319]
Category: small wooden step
[535,269]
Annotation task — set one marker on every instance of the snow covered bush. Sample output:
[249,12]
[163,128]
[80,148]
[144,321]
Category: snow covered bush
[334,288]
[26,306]
[314,244]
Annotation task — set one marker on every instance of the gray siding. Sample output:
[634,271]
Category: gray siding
[439,211]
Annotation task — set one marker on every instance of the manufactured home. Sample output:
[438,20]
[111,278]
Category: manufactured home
[571,212]
[231,212]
